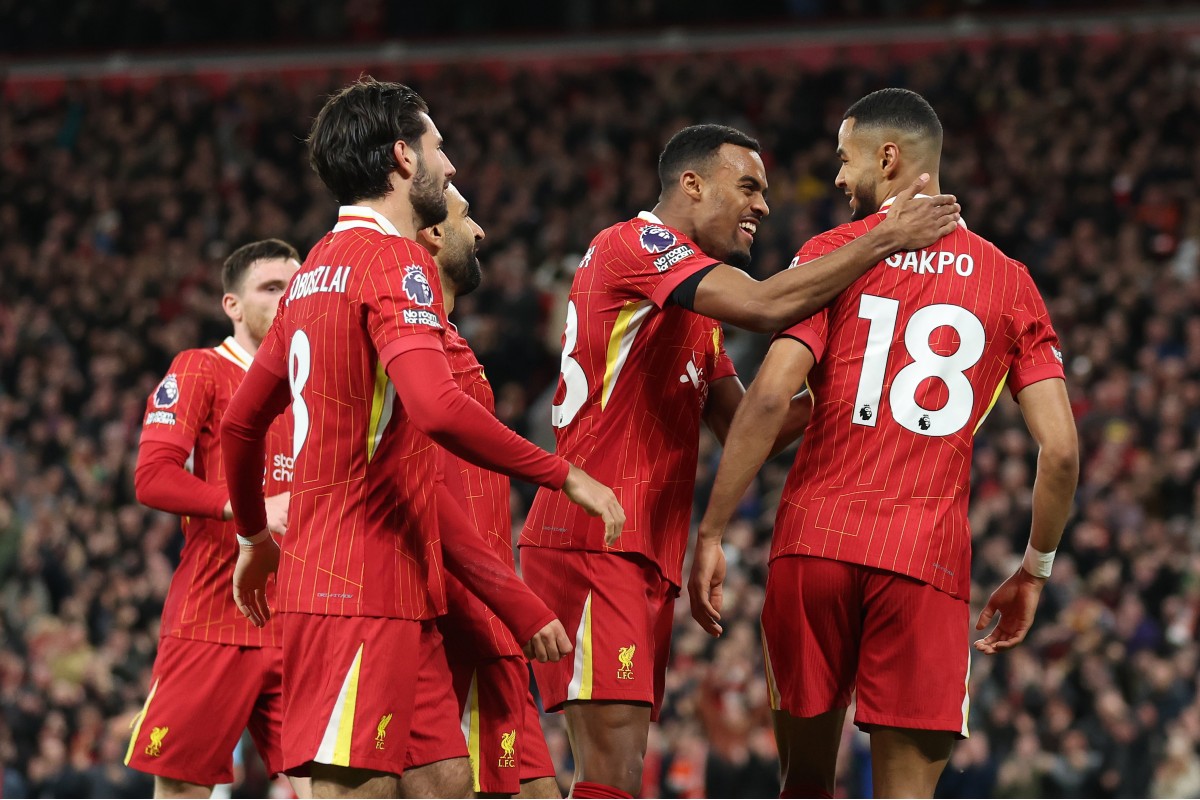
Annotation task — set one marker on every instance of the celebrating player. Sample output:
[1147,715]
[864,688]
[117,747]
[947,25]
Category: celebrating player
[359,341]
[642,363]
[215,673]
[500,720]
[870,570]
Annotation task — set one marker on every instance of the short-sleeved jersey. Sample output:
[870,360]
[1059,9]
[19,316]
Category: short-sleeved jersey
[911,358]
[635,375]
[185,409]
[363,534]
[487,504]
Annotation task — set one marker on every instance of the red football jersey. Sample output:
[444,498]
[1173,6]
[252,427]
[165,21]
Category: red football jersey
[911,358]
[634,380]
[185,409]
[487,503]
[363,533]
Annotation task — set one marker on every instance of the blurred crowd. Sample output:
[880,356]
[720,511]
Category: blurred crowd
[38,29]
[1076,157]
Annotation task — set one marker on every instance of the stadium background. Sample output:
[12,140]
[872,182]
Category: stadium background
[141,141]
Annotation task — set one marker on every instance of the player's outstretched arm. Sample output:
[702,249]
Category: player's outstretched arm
[440,409]
[730,295]
[469,558]
[756,425]
[1048,416]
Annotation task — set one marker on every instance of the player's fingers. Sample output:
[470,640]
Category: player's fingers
[527,649]
[985,617]
[612,530]
[716,599]
[258,599]
[249,612]
[946,203]
[539,650]
[564,642]
[551,646]
[914,187]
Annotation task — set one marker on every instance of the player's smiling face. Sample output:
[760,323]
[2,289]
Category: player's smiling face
[859,175]
[734,205]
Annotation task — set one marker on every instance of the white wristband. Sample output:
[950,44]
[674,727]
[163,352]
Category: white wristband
[1037,563]
[250,541]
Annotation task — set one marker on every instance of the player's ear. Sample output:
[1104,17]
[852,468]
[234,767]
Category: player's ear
[889,159]
[431,238]
[691,184]
[232,306]
[406,159]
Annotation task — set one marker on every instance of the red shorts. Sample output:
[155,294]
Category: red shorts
[366,692]
[202,696]
[618,609]
[501,724]
[830,628]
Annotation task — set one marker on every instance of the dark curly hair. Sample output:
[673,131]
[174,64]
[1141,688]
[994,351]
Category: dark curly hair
[351,141]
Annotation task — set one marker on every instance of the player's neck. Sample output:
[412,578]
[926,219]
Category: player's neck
[898,185]
[243,337]
[397,210]
[672,217]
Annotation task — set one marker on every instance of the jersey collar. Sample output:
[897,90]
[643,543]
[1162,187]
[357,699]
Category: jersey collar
[230,350]
[363,217]
[883,209]
[649,217]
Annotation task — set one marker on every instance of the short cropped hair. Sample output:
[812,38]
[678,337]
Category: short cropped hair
[695,147]
[350,144]
[233,273]
[897,109]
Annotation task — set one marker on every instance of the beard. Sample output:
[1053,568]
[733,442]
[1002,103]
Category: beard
[460,263]
[866,203]
[738,258]
[428,197]
[467,274]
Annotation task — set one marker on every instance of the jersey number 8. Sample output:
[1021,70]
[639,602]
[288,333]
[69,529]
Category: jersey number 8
[299,367]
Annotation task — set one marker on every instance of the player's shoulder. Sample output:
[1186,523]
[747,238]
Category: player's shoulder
[454,341]
[405,249]
[643,232]
[830,240]
[196,360]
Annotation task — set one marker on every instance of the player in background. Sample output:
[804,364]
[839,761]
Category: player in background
[642,365]
[216,674]
[500,719]
[357,349]
[870,573]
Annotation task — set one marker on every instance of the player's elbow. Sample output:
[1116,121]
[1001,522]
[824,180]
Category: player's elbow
[434,420]
[1060,458]
[141,485]
[763,403]
[144,484]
